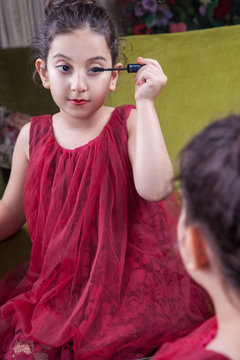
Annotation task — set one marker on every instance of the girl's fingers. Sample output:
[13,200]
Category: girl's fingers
[146,61]
[150,73]
[149,64]
[149,80]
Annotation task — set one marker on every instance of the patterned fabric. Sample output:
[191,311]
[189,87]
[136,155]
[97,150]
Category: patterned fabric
[10,124]
[21,348]
[104,274]
[192,346]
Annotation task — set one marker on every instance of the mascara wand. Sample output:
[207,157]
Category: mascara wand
[131,68]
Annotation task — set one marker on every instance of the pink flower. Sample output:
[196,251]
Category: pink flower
[178,27]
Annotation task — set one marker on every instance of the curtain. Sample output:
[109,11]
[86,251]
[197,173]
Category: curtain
[19,21]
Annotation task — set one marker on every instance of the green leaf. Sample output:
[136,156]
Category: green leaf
[211,7]
[217,22]
[150,20]
[183,16]
[191,11]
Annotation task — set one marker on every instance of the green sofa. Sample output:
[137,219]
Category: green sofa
[203,84]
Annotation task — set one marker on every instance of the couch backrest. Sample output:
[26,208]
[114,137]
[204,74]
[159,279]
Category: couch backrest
[18,92]
[203,79]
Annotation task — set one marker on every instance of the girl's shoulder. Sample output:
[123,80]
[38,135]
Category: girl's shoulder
[125,111]
[126,114]
[193,345]
[41,118]
[24,132]
[39,129]
[23,138]
[40,123]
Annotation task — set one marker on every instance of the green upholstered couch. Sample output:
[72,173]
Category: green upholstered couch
[203,84]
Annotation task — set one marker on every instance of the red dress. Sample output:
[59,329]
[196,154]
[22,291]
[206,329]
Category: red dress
[104,280]
[192,346]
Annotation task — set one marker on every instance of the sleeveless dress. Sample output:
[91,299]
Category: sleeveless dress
[192,346]
[104,279]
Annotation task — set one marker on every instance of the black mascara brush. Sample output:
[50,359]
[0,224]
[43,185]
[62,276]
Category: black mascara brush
[131,68]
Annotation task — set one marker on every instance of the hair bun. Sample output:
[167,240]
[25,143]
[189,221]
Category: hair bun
[52,5]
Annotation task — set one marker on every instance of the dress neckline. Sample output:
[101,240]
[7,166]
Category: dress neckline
[90,142]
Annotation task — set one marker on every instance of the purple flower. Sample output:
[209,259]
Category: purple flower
[166,14]
[139,9]
[150,5]
[202,10]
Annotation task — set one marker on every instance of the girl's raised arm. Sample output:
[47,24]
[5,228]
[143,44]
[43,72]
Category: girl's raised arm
[152,168]
[12,215]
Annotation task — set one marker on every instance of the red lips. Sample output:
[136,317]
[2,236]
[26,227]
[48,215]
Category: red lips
[79,102]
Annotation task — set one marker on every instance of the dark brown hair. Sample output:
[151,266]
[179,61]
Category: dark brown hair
[65,16]
[210,183]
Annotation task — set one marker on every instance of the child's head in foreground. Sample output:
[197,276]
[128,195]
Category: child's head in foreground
[209,228]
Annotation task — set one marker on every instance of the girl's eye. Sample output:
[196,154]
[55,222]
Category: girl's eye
[64,68]
[94,69]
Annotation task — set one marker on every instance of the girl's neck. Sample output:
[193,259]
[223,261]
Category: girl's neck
[226,341]
[71,122]
[71,133]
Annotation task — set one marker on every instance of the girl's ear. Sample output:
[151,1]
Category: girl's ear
[115,75]
[42,71]
[196,257]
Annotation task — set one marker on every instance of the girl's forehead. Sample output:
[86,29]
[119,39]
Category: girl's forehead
[80,40]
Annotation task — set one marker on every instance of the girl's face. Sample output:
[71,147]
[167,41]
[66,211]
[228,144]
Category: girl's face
[78,92]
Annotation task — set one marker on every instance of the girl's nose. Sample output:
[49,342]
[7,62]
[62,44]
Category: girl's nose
[79,83]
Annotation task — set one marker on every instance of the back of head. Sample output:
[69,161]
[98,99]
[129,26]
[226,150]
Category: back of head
[65,16]
[210,182]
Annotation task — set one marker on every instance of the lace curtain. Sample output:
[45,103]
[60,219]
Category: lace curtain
[19,21]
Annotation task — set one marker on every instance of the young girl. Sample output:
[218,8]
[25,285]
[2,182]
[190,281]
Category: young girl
[102,281]
[209,239]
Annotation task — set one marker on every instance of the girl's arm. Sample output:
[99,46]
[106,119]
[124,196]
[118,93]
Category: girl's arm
[152,168]
[12,215]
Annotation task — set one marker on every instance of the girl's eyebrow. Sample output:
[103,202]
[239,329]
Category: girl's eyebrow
[62,56]
[97,58]
[89,60]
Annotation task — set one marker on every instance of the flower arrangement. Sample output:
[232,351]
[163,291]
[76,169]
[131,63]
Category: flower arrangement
[159,16]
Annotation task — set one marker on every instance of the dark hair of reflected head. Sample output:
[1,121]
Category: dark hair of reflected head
[210,183]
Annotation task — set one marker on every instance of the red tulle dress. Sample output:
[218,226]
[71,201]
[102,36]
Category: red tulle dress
[104,279]
[192,346]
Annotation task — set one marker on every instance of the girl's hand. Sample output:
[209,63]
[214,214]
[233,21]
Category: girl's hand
[149,80]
